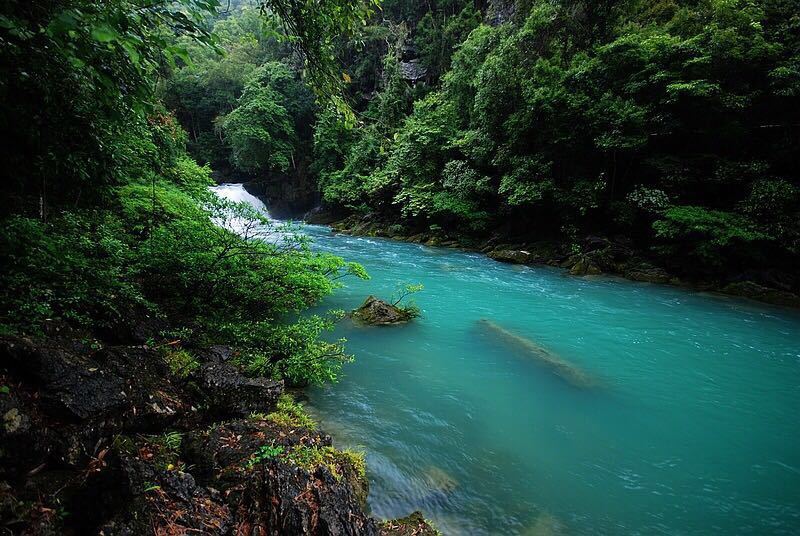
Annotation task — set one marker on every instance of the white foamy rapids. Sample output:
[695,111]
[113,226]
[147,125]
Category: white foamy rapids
[237,193]
[275,232]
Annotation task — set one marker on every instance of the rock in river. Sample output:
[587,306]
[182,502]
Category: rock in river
[377,312]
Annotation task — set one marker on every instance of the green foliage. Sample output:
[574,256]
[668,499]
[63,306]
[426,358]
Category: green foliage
[181,363]
[77,267]
[336,461]
[210,86]
[649,199]
[314,28]
[291,414]
[263,454]
[438,35]
[720,227]
[403,292]
[172,441]
[107,219]
[579,117]
[77,75]
[292,352]
[260,129]
[707,234]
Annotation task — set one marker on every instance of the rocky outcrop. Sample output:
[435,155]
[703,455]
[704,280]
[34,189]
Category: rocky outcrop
[649,274]
[113,435]
[375,312]
[235,488]
[513,256]
[585,265]
[755,291]
[288,195]
[321,216]
[412,525]
[233,393]
[413,70]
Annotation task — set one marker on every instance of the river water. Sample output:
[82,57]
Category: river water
[688,423]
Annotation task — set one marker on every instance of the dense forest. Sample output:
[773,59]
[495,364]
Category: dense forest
[669,127]
[654,139]
[107,217]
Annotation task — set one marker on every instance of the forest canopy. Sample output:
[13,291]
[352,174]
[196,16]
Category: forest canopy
[109,223]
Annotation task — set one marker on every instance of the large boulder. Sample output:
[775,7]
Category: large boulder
[649,274]
[512,256]
[231,393]
[281,480]
[584,265]
[377,312]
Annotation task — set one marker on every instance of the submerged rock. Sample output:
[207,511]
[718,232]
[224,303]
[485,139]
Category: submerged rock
[546,525]
[439,480]
[377,312]
[568,372]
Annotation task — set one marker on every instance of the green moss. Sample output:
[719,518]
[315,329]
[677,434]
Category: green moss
[290,413]
[336,461]
[181,363]
[162,451]
[357,459]
[414,524]
[124,445]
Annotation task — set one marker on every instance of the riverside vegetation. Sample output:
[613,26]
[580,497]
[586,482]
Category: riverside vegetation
[464,132]
[149,328]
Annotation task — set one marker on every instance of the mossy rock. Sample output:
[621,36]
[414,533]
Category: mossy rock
[414,524]
[375,312]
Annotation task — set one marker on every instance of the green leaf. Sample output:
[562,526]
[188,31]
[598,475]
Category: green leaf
[131,51]
[181,52]
[104,33]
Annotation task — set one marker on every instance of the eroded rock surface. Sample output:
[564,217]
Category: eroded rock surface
[377,312]
[127,448]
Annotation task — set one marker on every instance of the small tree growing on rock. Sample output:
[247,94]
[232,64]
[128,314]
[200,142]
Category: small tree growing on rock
[410,308]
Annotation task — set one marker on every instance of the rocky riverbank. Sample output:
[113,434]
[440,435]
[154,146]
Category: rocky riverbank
[594,255]
[119,439]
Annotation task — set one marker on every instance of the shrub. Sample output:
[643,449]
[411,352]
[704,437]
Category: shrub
[290,413]
[181,363]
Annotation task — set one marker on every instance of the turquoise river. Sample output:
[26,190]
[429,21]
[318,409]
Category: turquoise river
[689,423]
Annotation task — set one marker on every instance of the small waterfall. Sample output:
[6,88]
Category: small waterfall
[237,193]
[276,231]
